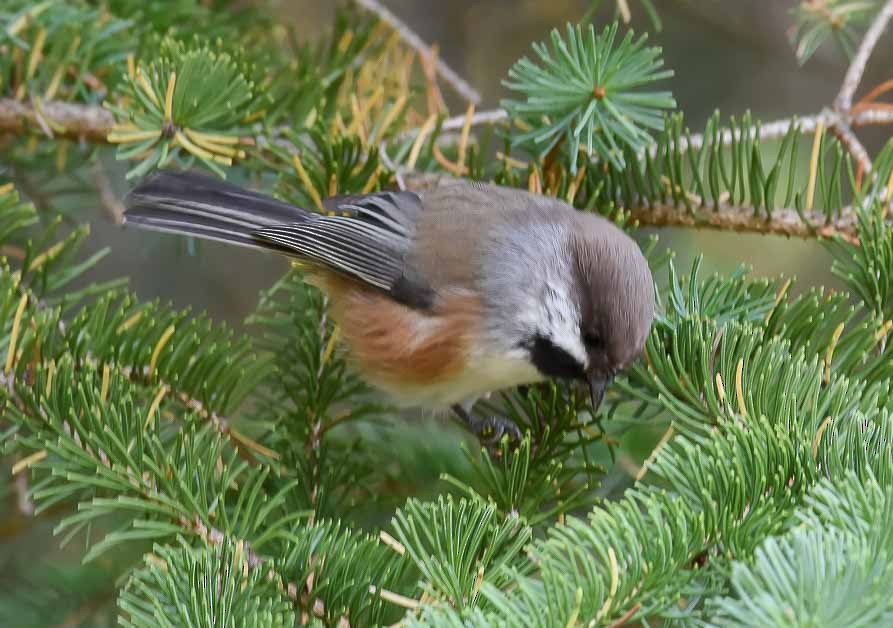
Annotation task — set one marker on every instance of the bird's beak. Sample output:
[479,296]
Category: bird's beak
[597,386]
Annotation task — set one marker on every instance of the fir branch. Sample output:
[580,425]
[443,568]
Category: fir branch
[643,548]
[586,96]
[699,369]
[831,578]
[194,102]
[867,115]
[787,222]
[200,362]
[550,472]
[784,221]
[187,586]
[680,207]
[841,124]
[838,560]
[91,123]
[852,506]
[117,462]
[867,269]
[345,577]
[716,498]
[759,190]
[62,50]
[487,544]
[187,359]
[820,20]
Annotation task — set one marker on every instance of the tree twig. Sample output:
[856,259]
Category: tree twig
[867,115]
[784,221]
[109,202]
[490,116]
[627,615]
[872,115]
[460,85]
[848,138]
[844,100]
[93,122]
[23,496]
[61,119]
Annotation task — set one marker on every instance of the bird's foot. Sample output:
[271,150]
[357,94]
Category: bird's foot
[490,430]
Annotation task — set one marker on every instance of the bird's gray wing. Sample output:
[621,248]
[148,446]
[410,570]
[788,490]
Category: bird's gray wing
[366,237]
[413,246]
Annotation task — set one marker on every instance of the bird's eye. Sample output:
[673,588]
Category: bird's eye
[592,339]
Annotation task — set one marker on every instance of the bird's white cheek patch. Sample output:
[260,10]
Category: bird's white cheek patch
[569,340]
[560,322]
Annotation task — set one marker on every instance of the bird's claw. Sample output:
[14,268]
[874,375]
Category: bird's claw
[491,430]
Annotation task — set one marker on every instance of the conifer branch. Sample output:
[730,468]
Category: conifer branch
[867,115]
[91,123]
[806,125]
[154,494]
[785,222]
[802,221]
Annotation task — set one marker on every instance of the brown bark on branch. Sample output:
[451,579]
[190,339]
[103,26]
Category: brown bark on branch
[784,222]
[56,119]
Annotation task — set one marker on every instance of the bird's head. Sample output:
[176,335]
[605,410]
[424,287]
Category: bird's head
[608,308]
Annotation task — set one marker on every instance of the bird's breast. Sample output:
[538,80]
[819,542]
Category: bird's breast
[427,359]
[483,373]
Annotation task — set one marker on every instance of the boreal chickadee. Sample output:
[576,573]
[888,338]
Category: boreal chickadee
[446,295]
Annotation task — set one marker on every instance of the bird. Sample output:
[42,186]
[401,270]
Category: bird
[446,295]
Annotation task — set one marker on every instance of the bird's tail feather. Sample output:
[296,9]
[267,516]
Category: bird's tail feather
[201,206]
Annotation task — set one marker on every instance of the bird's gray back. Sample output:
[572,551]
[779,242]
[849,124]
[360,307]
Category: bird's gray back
[461,222]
